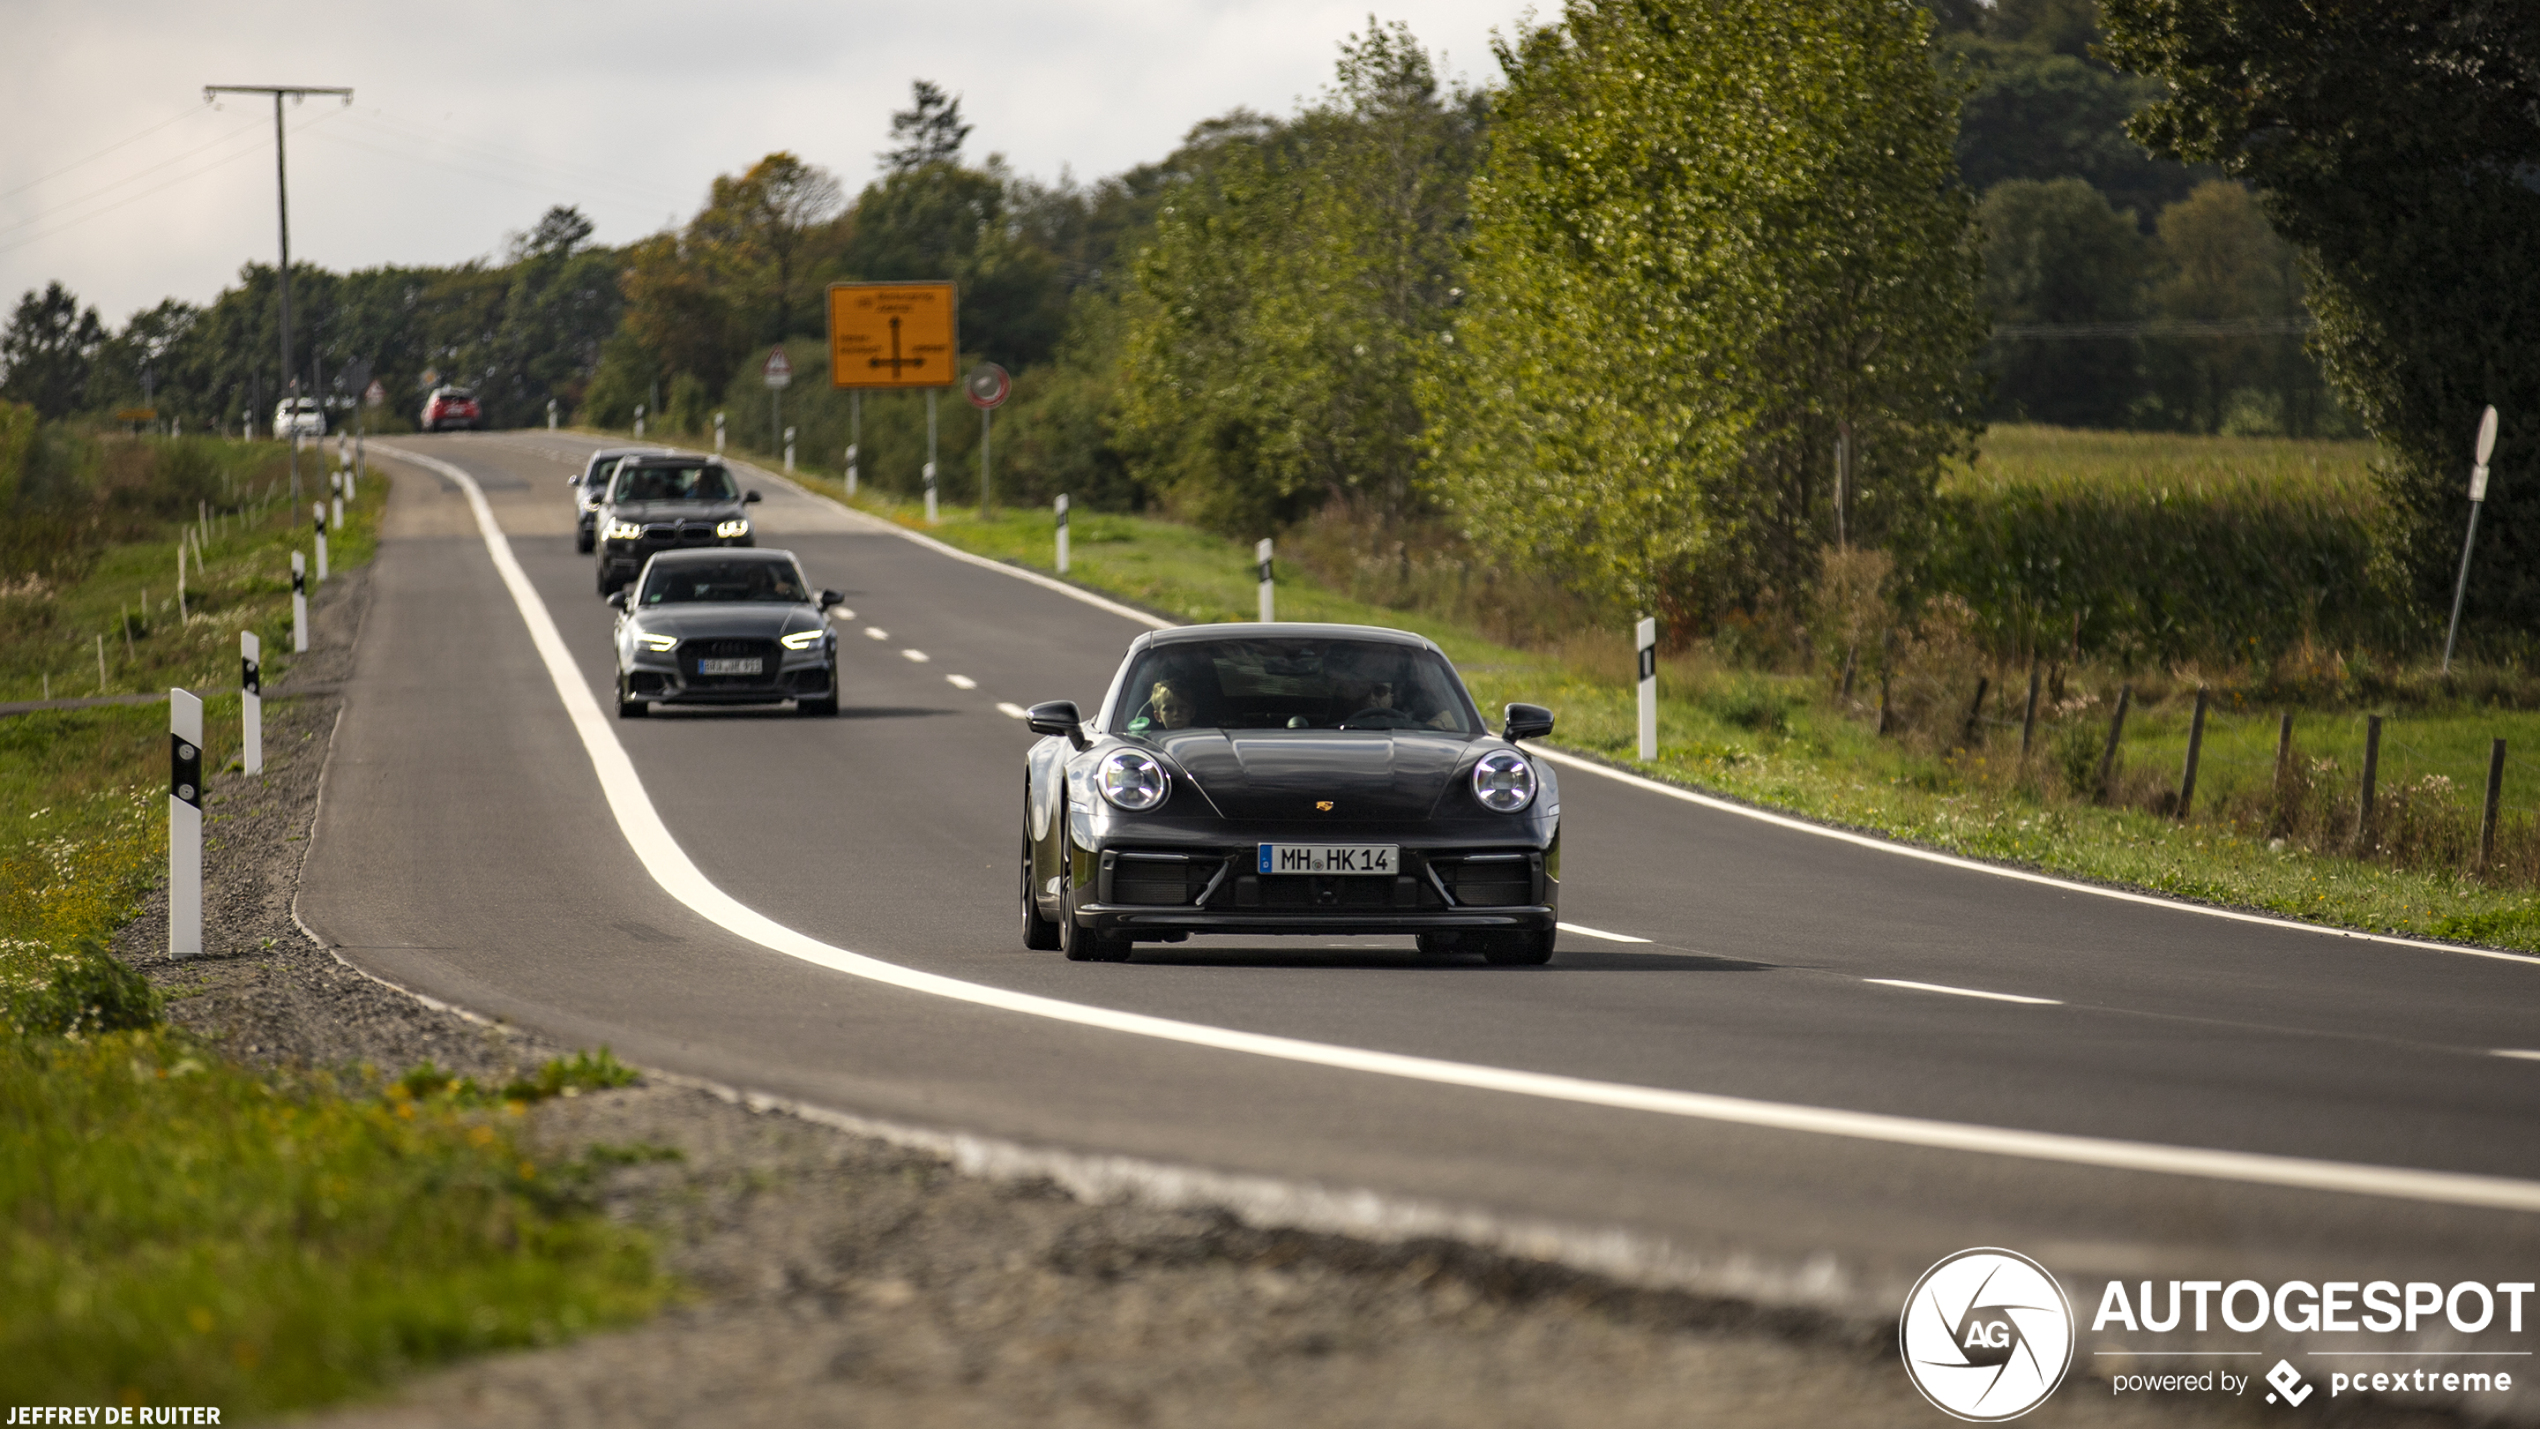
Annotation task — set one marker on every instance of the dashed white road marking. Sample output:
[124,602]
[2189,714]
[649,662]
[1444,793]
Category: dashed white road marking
[1587,932]
[918,656]
[875,632]
[1011,711]
[1964,991]
[842,615]
[961,682]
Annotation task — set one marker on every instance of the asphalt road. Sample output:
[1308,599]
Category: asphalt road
[465,849]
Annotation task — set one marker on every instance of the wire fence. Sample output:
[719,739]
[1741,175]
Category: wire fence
[2444,792]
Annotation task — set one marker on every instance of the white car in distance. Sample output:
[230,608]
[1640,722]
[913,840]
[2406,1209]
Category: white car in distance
[299,417]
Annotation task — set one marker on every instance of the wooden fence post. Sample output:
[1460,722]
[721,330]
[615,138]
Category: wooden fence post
[2116,731]
[2495,795]
[2372,771]
[2195,747]
[1975,713]
[2028,720]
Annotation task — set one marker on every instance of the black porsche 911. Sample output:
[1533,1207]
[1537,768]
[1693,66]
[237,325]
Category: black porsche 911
[724,627]
[667,502]
[1298,779]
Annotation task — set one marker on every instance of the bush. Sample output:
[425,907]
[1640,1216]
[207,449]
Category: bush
[89,993]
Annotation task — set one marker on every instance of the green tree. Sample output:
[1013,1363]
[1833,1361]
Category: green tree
[1709,236]
[1277,323]
[2394,146]
[47,350]
[929,131]
[2221,262]
[2055,254]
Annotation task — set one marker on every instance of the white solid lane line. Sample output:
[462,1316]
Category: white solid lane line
[1964,991]
[670,867]
[961,682]
[1587,932]
[1011,711]
[875,632]
[2518,1053]
[914,656]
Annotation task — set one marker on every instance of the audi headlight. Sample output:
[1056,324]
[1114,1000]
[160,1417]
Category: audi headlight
[1504,781]
[625,531]
[802,639]
[1132,781]
[734,527]
[658,644]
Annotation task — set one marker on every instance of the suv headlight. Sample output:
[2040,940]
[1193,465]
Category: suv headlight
[1132,780]
[658,644]
[1504,781]
[625,531]
[802,639]
[734,527]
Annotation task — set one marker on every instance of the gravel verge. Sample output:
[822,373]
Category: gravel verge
[835,1278]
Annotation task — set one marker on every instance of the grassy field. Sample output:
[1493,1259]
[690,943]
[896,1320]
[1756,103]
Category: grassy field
[2166,464]
[179,1229]
[1781,741]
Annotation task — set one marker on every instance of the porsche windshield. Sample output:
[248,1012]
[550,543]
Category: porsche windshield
[742,578]
[1266,683]
[702,482]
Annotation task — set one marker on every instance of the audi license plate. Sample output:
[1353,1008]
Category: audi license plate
[750,666]
[1385,859]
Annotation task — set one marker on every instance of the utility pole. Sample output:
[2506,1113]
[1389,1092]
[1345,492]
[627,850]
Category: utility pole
[282,198]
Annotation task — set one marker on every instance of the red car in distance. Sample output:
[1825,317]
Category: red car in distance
[451,407]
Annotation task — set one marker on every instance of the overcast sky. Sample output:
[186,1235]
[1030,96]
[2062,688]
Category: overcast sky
[470,118]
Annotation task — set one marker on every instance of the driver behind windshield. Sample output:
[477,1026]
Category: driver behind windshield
[674,483]
[686,582]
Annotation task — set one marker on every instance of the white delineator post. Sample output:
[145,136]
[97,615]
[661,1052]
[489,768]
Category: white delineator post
[317,523]
[1062,533]
[855,435]
[1261,556]
[551,414]
[789,449]
[718,434]
[299,603]
[1645,636]
[930,490]
[185,824]
[180,582]
[335,513]
[639,421]
[251,702]
[2477,499]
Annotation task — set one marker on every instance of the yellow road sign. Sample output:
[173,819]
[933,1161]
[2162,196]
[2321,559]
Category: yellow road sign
[891,335]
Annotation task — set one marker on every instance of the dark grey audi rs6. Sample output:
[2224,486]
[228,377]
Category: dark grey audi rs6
[1288,779]
[724,627]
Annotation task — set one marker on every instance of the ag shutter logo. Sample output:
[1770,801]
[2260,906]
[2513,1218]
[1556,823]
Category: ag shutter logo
[1987,1335]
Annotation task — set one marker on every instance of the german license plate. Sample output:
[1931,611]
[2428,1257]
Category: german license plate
[750,666]
[1384,859]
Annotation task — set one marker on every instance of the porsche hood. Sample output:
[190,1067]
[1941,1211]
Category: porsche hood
[1283,774]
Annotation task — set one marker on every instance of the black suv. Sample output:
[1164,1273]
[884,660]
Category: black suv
[667,503]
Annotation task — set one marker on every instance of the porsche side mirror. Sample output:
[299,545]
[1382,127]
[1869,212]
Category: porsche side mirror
[617,600]
[1527,722]
[829,598]
[748,496]
[1058,717]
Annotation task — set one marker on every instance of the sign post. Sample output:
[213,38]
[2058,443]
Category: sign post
[1261,555]
[1062,533]
[776,372]
[251,700]
[185,824]
[2477,499]
[987,388]
[1645,636]
[891,337]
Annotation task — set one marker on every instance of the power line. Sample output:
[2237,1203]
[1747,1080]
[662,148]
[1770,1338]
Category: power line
[68,204]
[405,131]
[186,177]
[186,113]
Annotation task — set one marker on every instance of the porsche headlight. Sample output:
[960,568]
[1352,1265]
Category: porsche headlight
[801,639]
[734,527]
[658,644]
[625,531]
[1504,781]
[1132,780]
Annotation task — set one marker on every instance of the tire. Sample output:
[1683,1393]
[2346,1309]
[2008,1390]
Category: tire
[583,542]
[607,586]
[628,708]
[1518,950]
[1039,933]
[1082,944]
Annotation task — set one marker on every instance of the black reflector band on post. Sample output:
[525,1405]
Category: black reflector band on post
[185,770]
[1648,661]
[299,582]
[251,676]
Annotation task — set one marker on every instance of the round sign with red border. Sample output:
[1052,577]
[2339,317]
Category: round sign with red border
[987,386]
